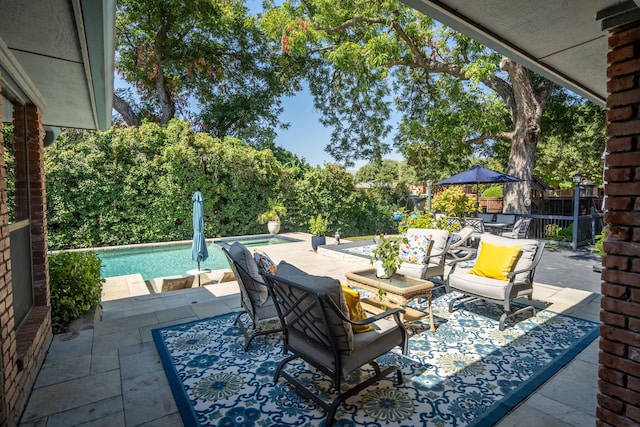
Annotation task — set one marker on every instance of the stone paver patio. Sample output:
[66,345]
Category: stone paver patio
[108,373]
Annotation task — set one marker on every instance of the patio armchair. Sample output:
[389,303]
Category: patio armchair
[255,299]
[476,223]
[317,329]
[519,230]
[504,271]
[460,249]
[432,265]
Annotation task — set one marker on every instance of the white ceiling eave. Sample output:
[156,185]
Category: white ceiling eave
[561,41]
[58,55]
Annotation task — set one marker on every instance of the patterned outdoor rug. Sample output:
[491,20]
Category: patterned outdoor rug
[466,373]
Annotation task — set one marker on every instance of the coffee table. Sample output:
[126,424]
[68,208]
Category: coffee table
[399,290]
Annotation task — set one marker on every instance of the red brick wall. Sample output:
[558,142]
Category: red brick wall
[619,373]
[23,349]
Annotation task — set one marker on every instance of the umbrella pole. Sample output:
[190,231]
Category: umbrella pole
[198,273]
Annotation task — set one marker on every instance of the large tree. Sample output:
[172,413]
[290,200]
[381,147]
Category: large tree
[458,100]
[202,60]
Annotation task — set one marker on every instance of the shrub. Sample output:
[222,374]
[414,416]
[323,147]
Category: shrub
[598,248]
[76,286]
[318,225]
[493,192]
[453,202]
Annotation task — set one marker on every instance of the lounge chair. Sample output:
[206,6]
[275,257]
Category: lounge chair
[255,299]
[503,271]
[317,329]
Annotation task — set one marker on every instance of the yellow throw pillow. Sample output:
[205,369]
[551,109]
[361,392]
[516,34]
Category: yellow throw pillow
[356,312]
[495,261]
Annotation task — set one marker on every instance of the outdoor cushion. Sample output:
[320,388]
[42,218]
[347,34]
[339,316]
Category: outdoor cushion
[264,263]
[527,252]
[466,282]
[356,312]
[415,249]
[257,290]
[495,261]
[331,287]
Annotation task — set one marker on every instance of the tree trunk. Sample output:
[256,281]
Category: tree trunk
[125,110]
[526,114]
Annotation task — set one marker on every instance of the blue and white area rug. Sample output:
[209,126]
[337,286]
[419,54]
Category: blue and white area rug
[466,373]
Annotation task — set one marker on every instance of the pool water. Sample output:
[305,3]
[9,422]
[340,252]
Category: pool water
[153,261]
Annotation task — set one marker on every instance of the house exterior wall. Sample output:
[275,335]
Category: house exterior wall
[23,346]
[619,357]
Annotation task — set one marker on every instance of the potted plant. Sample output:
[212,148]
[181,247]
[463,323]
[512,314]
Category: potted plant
[385,256]
[272,216]
[318,228]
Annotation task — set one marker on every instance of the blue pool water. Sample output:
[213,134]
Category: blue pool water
[153,261]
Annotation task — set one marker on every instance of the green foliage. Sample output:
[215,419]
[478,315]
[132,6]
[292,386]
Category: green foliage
[453,202]
[493,192]
[318,225]
[558,233]
[76,286]
[598,248]
[9,162]
[425,220]
[134,185]
[572,140]
[275,211]
[387,251]
[203,60]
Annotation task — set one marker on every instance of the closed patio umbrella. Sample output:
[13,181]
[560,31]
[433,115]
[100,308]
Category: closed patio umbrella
[478,175]
[199,245]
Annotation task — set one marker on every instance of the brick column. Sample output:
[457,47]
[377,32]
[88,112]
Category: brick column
[619,373]
[28,133]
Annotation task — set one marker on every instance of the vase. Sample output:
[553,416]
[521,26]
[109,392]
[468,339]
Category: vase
[381,272]
[273,227]
[318,241]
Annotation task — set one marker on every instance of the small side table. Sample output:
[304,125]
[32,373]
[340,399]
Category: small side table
[197,273]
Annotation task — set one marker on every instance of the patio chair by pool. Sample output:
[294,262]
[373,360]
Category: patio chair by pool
[255,299]
[432,265]
[503,271]
[317,329]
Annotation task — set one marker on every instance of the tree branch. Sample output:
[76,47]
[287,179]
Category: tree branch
[352,23]
[125,110]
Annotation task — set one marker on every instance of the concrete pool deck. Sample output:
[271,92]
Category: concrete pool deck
[108,372]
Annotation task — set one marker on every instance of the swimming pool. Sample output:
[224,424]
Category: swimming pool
[163,260]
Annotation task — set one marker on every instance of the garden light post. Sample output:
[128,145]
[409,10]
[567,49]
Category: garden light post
[577,179]
[429,182]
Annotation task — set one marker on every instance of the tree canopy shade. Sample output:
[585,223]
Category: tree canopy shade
[202,60]
[457,98]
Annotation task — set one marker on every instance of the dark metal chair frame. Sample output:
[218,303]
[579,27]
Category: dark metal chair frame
[255,312]
[298,309]
[506,301]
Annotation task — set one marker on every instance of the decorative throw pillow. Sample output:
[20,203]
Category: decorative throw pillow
[415,249]
[356,312]
[495,261]
[455,238]
[265,264]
